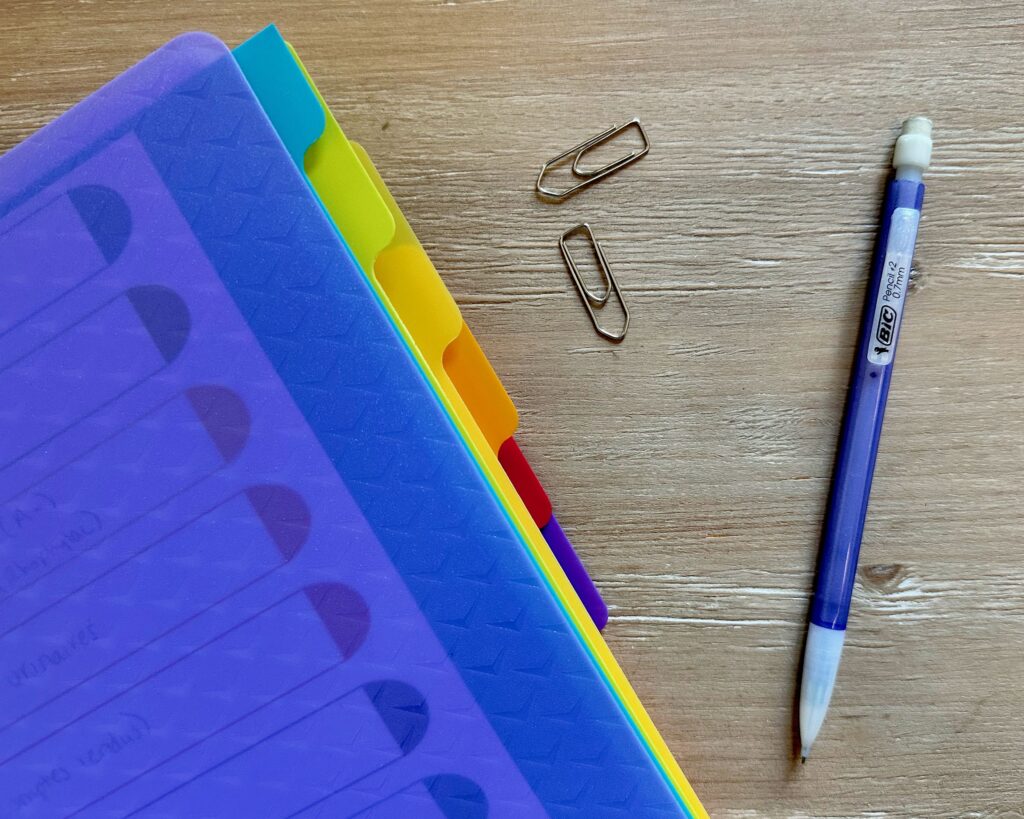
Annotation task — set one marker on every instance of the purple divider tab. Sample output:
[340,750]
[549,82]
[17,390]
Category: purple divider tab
[457,797]
[344,614]
[106,216]
[287,519]
[226,420]
[576,572]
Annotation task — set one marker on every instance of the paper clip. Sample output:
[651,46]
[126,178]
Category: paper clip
[590,176]
[590,298]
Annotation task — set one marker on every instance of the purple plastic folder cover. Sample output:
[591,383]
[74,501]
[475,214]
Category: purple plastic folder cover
[247,568]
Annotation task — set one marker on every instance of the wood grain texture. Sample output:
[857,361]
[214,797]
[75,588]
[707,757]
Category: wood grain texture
[690,465]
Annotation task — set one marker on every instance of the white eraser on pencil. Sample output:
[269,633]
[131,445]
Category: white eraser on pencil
[914,145]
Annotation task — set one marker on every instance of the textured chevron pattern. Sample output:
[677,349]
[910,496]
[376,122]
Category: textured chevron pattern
[377,420]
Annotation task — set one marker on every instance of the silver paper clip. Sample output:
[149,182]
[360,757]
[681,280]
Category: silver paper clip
[588,176]
[590,298]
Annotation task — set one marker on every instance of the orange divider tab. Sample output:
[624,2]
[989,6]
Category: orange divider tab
[474,377]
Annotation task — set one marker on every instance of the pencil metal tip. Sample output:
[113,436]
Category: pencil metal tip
[803,760]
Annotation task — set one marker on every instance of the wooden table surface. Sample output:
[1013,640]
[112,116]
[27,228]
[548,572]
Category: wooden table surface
[690,465]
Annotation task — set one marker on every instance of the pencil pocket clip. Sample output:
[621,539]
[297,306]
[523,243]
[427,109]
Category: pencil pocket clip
[588,176]
[594,301]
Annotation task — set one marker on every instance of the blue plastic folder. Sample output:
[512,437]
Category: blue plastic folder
[247,567]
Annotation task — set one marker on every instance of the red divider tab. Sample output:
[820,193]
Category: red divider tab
[525,482]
